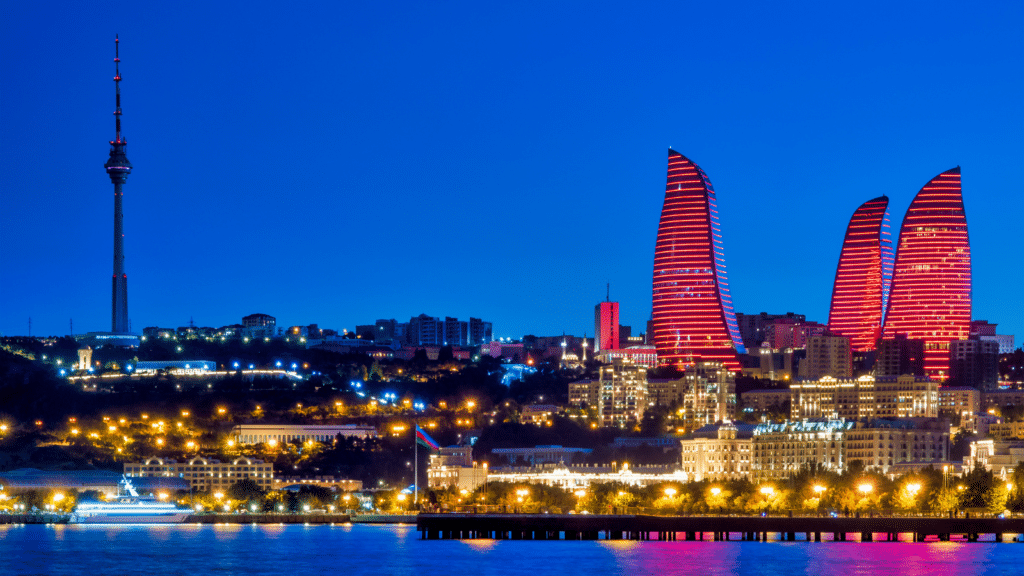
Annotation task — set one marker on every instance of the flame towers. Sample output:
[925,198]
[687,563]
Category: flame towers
[930,298]
[862,277]
[693,316]
[118,167]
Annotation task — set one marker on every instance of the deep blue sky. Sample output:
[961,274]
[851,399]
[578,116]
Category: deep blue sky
[500,160]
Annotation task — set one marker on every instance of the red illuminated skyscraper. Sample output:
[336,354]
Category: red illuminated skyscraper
[606,326]
[692,308]
[862,276]
[930,298]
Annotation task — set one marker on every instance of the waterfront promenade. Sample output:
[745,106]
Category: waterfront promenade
[714,528]
[315,518]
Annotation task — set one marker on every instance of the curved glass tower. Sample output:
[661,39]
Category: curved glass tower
[693,316]
[862,276]
[930,298]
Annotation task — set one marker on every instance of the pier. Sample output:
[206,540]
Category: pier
[715,528]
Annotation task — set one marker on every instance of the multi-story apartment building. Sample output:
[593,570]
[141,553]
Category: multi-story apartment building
[879,444]
[898,356]
[709,394]
[759,401]
[623,394]
[779,451]
[865,397]
[205,473]
[974,362]
[718,452]
[665,391]
[999,398]
[959,400]
[1007,430]
[585,393]
[259,326]
[827,355]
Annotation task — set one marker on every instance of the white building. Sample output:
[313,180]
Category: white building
[205,473]
[718,452]
[281,433]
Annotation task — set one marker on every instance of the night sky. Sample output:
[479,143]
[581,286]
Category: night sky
[378,160]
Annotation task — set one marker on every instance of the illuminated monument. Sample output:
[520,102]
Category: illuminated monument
[862,277]
[692,308]
[930,298]
[118,167]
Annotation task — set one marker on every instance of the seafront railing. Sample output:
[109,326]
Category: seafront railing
[715,528]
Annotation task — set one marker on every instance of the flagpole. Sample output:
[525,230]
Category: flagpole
[416,463]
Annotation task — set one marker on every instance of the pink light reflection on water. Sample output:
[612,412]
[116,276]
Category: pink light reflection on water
[901,558]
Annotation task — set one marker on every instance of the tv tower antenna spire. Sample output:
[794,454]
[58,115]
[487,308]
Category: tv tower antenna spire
[118,168]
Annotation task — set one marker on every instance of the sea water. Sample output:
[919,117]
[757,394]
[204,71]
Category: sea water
[295,550]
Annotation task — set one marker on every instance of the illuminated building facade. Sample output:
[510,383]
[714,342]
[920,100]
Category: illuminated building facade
[779,451]
[709,394]
[692,308]
[718,452]
[205,473]
[606,326]
[623,394]
[865,397]
[861,285]
[930,298]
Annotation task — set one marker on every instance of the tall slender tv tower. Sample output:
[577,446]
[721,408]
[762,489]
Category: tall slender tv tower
[118,168]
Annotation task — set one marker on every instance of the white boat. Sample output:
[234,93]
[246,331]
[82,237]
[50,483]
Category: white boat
[128,508]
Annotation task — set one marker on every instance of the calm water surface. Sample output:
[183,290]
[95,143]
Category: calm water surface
[354,550]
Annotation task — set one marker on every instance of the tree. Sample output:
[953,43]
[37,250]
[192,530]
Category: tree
[945,500]
[996,498]
[245,490]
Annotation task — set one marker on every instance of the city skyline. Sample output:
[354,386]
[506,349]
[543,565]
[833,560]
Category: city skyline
[434,182]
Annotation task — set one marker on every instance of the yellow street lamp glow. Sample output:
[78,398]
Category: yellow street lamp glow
[112,428]
[714,491]
[231,443]
[913,488]
[272,442]
[159,441]
[162,496]
[865,488]
[818,489]
[74,431]
[581,493]
[58,497]
[218,495]
[766,490]
[670,492]
[401,497]
[190,444]
[522,492]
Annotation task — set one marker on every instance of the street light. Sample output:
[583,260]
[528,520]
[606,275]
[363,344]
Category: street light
[670,492]
[818,489]
[865,488]
[715,491]
[767,490]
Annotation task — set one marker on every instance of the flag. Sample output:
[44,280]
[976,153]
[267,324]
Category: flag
[424,439]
